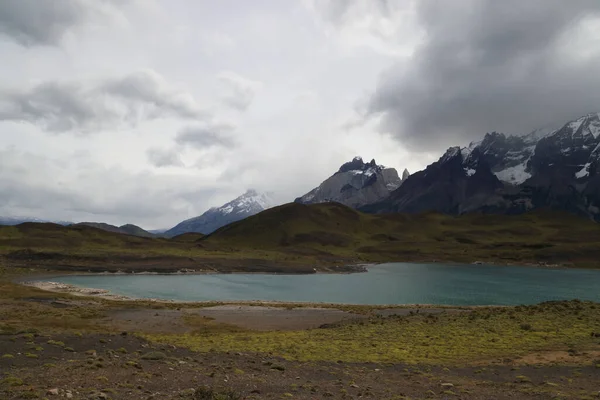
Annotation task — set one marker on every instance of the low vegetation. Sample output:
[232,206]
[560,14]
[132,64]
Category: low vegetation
[298,238]
[483,334]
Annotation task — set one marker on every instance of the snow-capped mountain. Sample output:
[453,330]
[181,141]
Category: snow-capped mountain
[248,204]
[549,168]
[356,184]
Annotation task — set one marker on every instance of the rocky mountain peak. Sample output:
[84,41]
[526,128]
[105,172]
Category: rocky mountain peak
[357,164]
[405,174]
[356,183]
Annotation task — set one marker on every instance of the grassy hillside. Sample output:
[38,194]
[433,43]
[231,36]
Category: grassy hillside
[336,230]
[128,229]
[299,237]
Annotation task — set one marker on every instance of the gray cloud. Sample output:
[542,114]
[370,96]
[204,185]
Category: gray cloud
[91,106]
[486,65]
[240,91]
[164,157]
[203,137]
[45,23]
[77,190]
[33,22]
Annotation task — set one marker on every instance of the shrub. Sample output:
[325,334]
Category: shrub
[154,356]
[526,327]
[206,393]
[12,381]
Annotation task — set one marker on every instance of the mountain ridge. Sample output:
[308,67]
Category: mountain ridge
[558,169]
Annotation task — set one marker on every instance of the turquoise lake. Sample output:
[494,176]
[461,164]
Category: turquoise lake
[394,283]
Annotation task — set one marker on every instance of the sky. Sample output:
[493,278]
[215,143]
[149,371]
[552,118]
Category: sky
[151,111]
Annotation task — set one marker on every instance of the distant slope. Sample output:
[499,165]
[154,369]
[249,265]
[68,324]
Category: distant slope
[239,208]
[20,220]
[297,238]
[127,229]
[188,237]
[337,230]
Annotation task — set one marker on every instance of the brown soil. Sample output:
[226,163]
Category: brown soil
[127,367]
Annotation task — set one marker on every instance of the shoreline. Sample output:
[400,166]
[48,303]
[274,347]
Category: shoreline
[79,291]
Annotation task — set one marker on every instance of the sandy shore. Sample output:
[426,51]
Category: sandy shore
[81,291]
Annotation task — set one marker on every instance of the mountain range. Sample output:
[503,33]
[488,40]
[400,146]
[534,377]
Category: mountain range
[556,169]
[508,174]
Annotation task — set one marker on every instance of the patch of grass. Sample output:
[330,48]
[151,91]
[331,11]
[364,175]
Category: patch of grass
[8,356]
[154,356]
[450,339]
[31,355]
[12,381]
[207,393]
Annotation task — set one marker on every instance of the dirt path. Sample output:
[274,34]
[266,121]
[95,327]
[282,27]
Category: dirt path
[243,316]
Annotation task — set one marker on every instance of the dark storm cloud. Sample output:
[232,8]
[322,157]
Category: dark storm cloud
[486,65]
[90,106]
[202,137]
[35,22]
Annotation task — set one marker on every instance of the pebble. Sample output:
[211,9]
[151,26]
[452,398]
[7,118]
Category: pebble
[52,392]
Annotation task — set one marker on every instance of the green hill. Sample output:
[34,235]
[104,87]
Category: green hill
[296,237]
[127,229]
[336,230]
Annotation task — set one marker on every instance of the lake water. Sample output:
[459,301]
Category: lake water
[398,283]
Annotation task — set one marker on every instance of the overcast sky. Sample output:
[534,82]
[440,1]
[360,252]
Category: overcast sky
[151,111]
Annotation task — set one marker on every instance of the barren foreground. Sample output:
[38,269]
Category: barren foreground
[55,345]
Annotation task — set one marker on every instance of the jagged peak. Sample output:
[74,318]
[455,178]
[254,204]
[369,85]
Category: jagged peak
[405,174]
[450,153]
[357,164]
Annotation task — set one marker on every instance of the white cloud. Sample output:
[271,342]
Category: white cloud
[239,91]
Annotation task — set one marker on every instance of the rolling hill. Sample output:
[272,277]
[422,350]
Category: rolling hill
[297,238]
[127,229]
[334,230]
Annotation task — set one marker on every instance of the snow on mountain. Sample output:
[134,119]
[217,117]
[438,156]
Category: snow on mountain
[355,184]
[250,203]
[515,158]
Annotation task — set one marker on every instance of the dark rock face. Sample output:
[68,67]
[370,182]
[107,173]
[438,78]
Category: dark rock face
[557,169]
[458,182]
[355,184]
